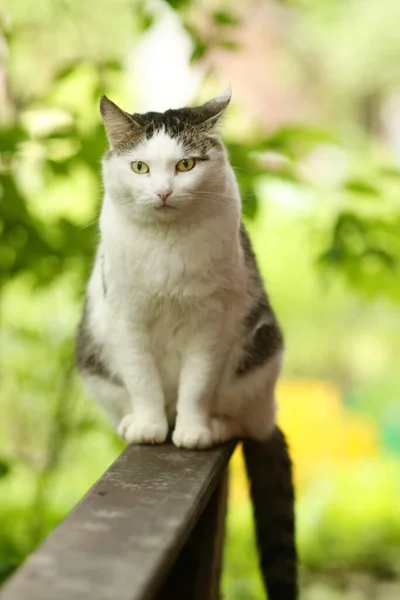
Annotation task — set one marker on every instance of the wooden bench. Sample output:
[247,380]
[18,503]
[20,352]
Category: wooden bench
[151,528]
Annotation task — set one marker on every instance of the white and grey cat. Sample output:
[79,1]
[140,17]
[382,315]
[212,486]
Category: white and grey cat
[177,332]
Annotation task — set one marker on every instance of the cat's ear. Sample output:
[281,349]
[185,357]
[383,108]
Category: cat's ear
[215,108]
[120,126]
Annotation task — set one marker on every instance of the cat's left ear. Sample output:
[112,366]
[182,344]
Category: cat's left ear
[120,126]
[215,108]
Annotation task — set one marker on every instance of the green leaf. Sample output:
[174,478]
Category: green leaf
[5,468]
[361,187]
[178,4]
[230,45]
[223,17]
[199,50]
[250,206]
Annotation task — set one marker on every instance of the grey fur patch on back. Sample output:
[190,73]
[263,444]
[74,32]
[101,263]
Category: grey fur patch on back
[88,353]
[261,330]
[260,309]
[264,345]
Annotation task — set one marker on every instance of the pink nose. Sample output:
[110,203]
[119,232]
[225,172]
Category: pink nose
[164,197]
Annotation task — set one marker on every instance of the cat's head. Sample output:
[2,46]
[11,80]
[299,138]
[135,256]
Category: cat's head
[166,166]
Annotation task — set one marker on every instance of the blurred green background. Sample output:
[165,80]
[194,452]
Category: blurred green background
[314,135]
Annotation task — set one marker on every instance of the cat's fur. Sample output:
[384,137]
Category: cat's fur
[177,331]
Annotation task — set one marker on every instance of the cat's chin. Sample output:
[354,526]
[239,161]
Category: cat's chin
[164,208]
[158,214]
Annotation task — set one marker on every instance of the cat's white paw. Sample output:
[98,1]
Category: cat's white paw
[194,436]
[136,431]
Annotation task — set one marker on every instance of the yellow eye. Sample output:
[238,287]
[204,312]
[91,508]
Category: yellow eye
[186,164]
[140,167]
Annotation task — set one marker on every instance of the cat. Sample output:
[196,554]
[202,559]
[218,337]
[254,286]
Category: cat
[177,332]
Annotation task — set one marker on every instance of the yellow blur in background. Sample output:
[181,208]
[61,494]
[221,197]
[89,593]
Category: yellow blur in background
[321,432]
[348,493]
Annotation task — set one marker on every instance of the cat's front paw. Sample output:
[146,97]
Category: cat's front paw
[194,436]
[136,431]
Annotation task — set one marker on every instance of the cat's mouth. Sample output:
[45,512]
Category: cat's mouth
[164,207]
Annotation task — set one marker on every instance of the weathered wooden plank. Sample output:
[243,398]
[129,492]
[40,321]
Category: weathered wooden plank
[196,573]
[121,540]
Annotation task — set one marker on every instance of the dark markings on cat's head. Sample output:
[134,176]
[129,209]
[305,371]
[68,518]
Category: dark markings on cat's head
[195,127]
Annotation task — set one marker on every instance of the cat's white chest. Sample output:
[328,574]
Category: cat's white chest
[171,329]
[166,265]
[168,282]
[169,288]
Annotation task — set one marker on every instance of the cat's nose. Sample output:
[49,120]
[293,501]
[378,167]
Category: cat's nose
[164,195]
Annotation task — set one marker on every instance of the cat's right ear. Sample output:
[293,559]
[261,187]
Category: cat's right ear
[119,125]
[213,110]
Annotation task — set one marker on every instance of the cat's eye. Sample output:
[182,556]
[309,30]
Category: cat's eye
[140,167]
[186,164]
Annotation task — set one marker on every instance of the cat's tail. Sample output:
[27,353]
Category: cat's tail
[269,469]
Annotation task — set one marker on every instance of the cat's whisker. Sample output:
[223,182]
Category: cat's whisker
[95,222]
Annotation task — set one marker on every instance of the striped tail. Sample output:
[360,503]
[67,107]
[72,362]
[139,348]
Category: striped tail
[269,469]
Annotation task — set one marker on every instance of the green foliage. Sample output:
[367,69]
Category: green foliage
[350,519]
[367,252]
[364,246]
[241,577]
[347,521]
[4,468]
